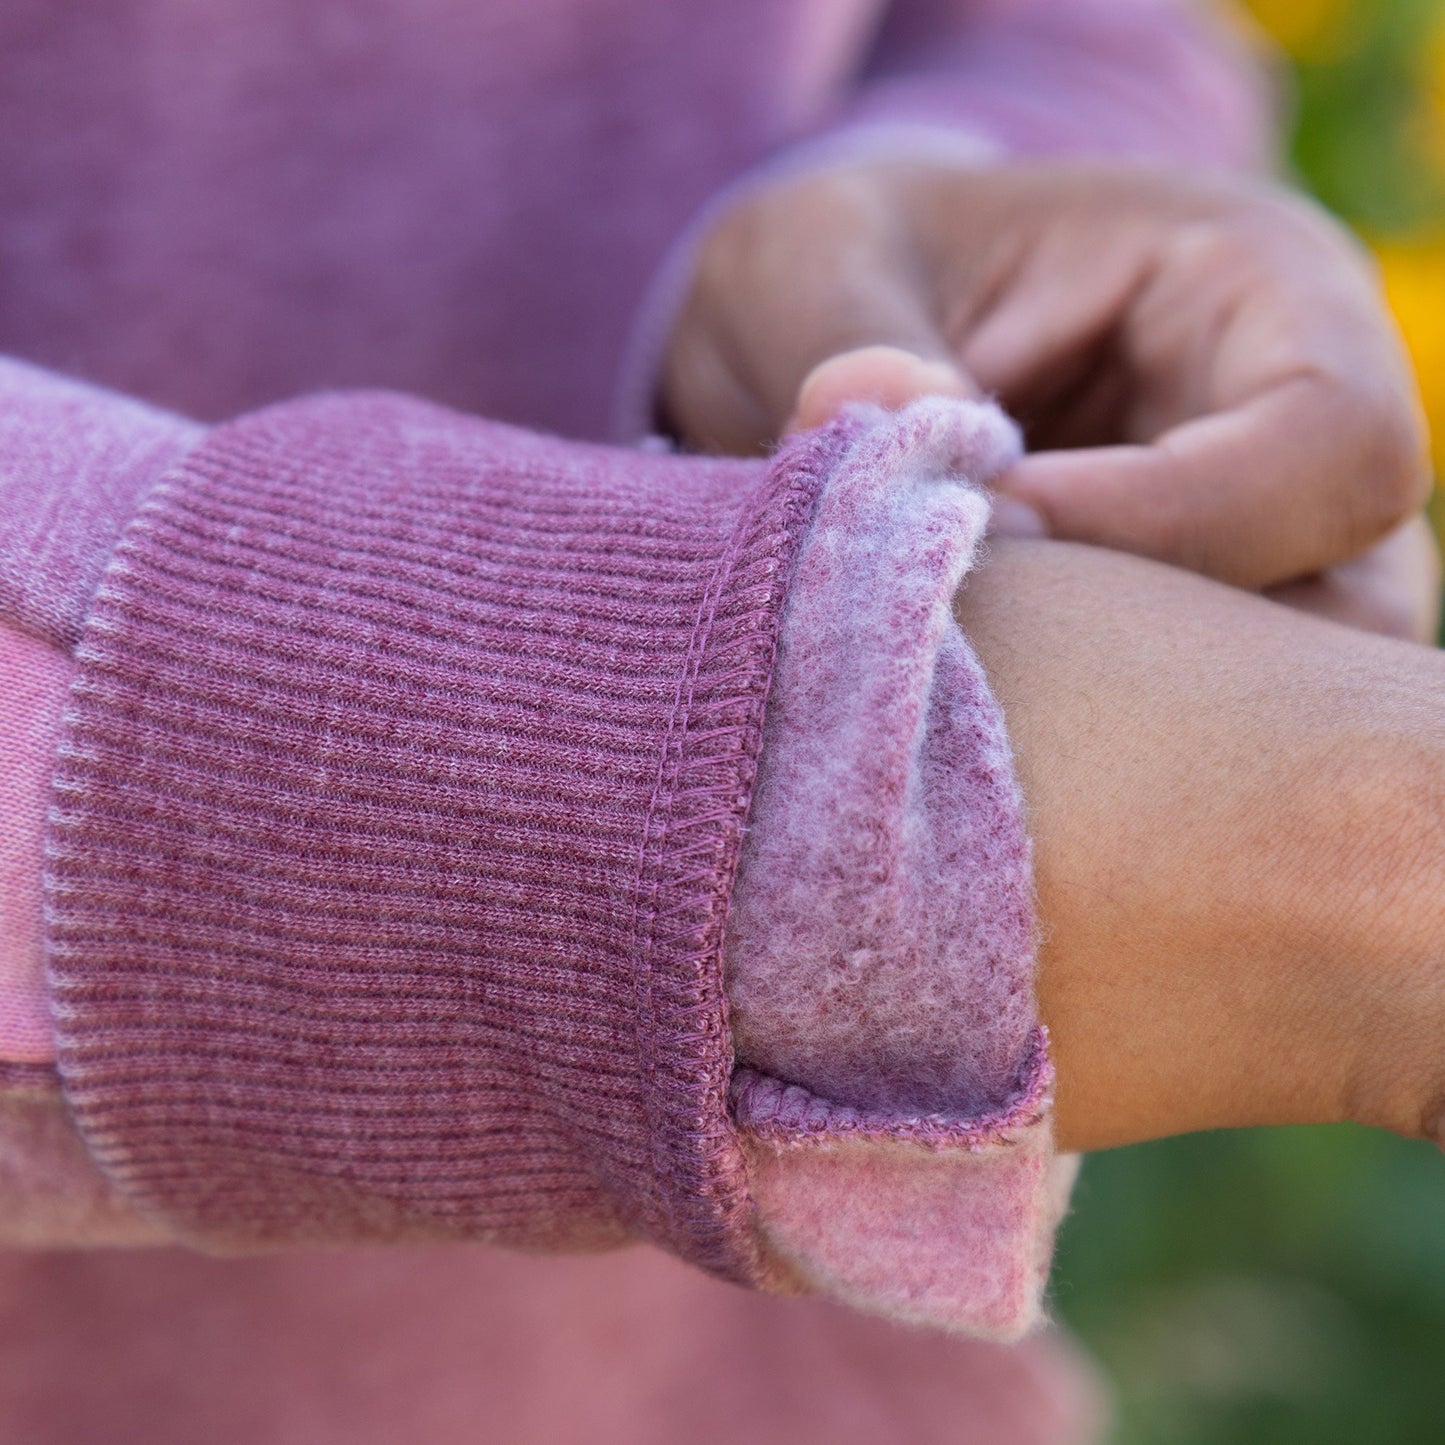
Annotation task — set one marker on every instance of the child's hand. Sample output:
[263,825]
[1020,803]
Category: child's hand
[1204,367]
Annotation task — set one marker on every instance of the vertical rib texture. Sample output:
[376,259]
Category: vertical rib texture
[398,809]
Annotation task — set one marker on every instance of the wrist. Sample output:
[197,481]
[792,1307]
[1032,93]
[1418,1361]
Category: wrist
[1236,815]
[1391,1025]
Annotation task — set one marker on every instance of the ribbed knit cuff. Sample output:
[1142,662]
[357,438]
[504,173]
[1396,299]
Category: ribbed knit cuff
[75,462]
[398,810]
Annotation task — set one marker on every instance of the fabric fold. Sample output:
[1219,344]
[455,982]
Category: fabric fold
[880,953]
[77,461]
[401,884]
[397,816]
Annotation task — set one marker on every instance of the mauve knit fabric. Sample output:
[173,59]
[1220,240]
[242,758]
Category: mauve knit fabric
[894,1080]
[398,816]
[398,813]
[214,207]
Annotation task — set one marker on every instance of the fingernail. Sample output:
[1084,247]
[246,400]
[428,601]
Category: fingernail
[1013,518]
[942,379]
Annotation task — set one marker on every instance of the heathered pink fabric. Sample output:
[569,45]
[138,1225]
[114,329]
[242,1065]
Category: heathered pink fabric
[32,700]
[880,947]
[928,1237]
[216,206]
[397,819]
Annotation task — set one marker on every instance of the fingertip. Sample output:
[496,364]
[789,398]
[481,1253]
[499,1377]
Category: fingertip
[888,376]
[1010,517]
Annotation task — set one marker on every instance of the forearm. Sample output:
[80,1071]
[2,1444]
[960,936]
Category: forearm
[1236,814]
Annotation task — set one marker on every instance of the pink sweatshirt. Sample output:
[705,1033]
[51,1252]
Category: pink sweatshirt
[413,764]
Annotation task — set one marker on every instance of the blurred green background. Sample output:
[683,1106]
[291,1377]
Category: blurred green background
[1287,1286]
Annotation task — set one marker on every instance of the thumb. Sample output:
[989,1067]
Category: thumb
[850,320]
[807,296]
[892,377]
[889,376]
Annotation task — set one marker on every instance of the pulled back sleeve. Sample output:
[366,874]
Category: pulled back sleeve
[457,833]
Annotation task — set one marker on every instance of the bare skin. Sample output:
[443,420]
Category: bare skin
[1238,814]
[1236,808]
[1204,366]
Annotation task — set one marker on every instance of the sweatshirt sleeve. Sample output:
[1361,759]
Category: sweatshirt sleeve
[423,864]
[894,1081]
[978,82]
[1160,80]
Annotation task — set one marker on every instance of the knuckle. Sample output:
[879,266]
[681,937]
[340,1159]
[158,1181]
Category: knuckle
[1216,246]
[1303,214]
[1396,461]
[1288,232]
[1380,446]
[1274,207]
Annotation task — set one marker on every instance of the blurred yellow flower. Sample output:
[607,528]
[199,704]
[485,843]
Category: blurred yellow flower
[1414,276]
[1316,32]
